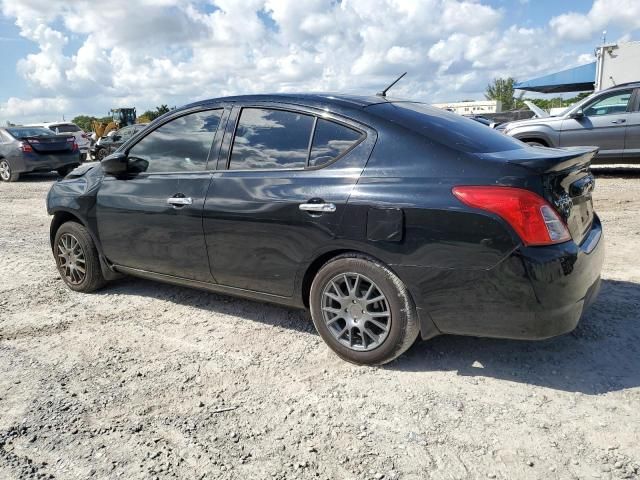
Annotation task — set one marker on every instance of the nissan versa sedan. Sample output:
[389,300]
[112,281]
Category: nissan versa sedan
[386,219]
[35,149]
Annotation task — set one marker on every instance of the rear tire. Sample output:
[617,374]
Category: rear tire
[362,298]
[6,173]
[77,258]
[533,143]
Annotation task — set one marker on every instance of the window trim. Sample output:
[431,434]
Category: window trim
[630,103]
[316,116]
[135,139]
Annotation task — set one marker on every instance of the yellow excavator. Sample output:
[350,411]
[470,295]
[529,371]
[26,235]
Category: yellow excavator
[120,117]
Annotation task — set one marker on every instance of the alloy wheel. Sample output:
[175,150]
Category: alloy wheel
[5,170]
[356,312]
[71,259]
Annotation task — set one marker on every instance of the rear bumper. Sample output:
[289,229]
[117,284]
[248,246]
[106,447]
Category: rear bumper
[46,163]
[535,293]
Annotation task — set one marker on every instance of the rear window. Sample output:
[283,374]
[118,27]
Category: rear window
[22,132]
[65,128]
[446,128]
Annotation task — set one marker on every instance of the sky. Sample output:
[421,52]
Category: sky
[64,58]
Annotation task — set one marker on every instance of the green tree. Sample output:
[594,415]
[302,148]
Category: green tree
[153,114]
[84,122]
[502,89]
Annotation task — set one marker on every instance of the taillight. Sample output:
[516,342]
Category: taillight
[534,220]
[25,147]
[74,144]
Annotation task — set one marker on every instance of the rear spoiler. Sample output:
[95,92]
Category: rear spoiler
[546,160]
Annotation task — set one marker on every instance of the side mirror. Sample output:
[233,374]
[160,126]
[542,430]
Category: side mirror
[116,138]
[577,114]
[115,164]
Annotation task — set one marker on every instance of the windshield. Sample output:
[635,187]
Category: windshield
[22,132]
[566,110]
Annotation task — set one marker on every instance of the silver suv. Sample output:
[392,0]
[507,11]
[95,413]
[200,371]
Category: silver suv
[608,119]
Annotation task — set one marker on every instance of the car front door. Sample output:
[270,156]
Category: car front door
[632,133]
[284,177]
[152,221]
[603,123]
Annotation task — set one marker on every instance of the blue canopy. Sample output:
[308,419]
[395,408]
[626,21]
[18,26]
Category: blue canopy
[578,79]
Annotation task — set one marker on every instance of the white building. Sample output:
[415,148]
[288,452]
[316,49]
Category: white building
[472,108]
[617,63]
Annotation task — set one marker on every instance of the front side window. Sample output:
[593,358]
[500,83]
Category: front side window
[331,140]
[610,104]
[271,139]
[180,145]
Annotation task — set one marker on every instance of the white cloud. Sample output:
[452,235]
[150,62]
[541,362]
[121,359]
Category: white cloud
[146,52]
[603,14]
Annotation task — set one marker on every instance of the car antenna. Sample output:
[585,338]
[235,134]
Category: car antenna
[383,93]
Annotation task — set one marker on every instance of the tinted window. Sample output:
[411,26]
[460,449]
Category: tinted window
[21,132]
[181,145]
[66,128]
[331,140]
[614,103]
[271,139]
[446,128]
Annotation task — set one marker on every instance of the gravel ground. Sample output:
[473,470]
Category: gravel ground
[144,380]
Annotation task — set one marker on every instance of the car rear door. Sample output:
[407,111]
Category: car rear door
[284,177]
[152,221]
[603,124]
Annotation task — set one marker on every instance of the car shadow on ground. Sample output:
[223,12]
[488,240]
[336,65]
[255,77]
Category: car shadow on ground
[600,356]
[39,177]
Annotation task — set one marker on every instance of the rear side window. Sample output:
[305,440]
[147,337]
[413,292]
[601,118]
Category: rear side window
[180,145]
[278,139]
[268,138]
[331,140]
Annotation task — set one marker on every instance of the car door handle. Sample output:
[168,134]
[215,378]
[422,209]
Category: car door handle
[318,207]
[179,201]
[620,120]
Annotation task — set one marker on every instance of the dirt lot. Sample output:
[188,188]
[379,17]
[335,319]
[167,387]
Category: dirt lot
[144,380]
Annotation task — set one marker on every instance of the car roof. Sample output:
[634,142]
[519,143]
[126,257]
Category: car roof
[337,99]
[623,86]
[49,124]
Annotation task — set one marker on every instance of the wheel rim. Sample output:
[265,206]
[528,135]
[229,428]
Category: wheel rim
[71,259]
[356,312]
[5,171]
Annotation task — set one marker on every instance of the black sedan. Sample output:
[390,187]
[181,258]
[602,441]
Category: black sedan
[35,149]
[386,219]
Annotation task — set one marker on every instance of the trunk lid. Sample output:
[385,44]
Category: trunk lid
[566,178]
[50,143]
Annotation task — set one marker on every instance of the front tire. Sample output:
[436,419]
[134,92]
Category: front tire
[362,310]
[77,258]
[101,154]
[6,173]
